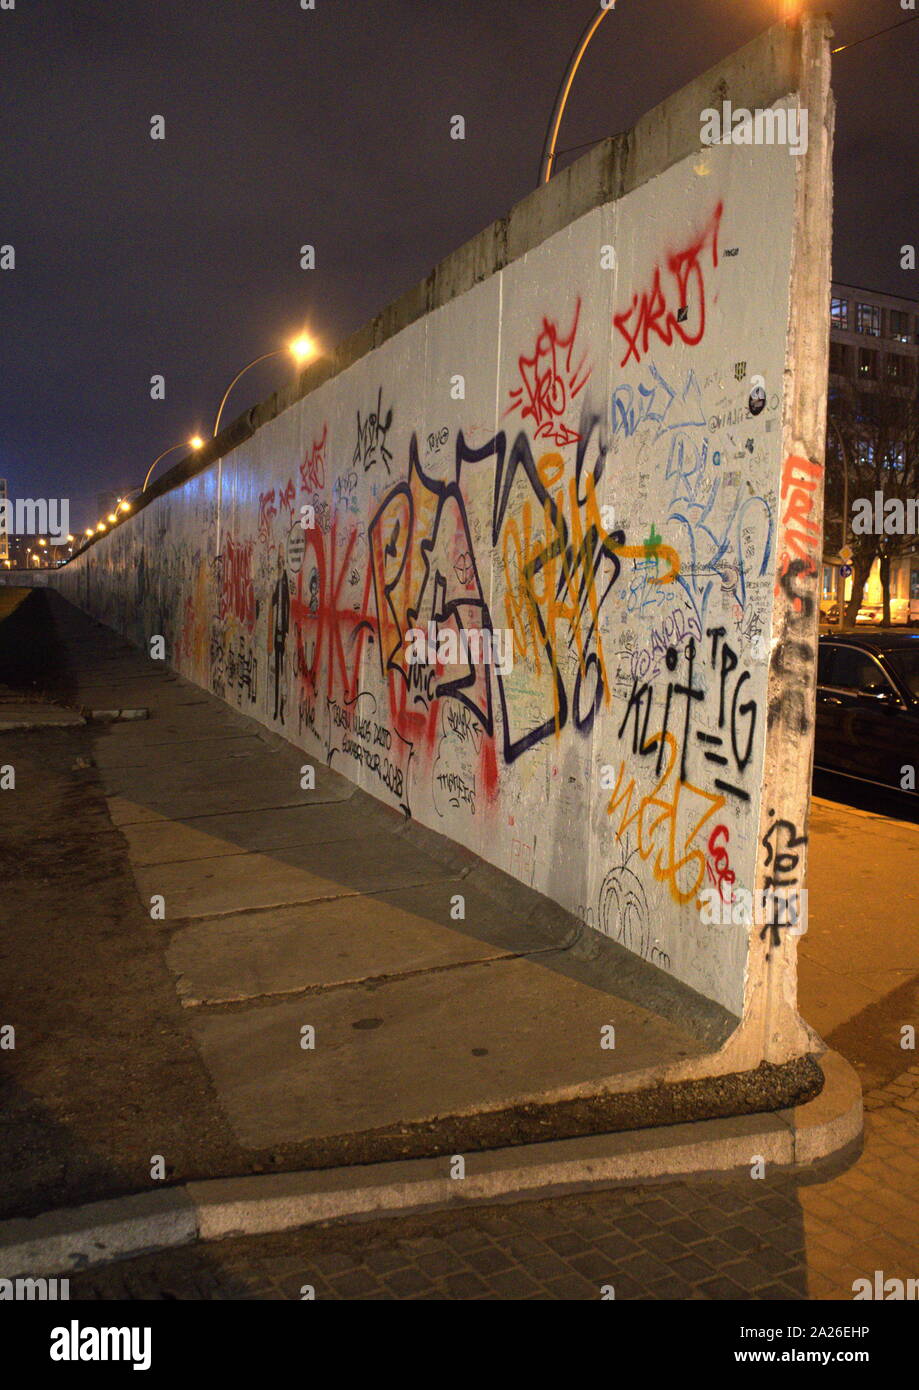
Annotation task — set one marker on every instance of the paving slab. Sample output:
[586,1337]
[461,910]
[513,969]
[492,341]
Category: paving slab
[277,828]
[346,941]
[175,791]
[442,1043]
[234,882]
[119,756]
[165,779]
[327,945]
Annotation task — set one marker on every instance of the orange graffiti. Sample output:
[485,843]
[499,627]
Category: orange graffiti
[800,531]
[667,822]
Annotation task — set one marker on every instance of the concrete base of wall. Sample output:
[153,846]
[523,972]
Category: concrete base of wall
[60,1242]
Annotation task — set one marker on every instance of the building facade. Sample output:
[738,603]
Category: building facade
[874,349]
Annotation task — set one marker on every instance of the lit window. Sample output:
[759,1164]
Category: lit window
[868,319]
[867,363]
[839,313]
[896,367]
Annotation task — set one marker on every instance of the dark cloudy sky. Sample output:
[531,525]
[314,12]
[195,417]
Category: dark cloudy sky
[286,126]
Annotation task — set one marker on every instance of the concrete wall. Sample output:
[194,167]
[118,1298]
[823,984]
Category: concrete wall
[29,579]
[625,340]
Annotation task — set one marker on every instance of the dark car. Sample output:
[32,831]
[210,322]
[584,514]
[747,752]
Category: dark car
[868,707]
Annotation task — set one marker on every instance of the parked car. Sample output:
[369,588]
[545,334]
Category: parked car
[868,707]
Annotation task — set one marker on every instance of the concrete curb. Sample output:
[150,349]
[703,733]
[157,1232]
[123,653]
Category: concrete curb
[71,1239]
[23,717]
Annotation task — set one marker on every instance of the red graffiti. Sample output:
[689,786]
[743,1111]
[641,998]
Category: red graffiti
[719,868]
[330,629]
[550,382]
[266,512]
[312,469]
[652,312]
[237,595]
[286,498]
[800,531]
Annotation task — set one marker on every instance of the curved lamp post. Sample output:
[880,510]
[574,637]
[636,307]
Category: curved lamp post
[301,348]
[196,442]
[548,153]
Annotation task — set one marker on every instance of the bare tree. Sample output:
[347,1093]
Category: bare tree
[872,447]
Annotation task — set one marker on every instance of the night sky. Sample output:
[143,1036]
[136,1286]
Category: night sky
[287,126]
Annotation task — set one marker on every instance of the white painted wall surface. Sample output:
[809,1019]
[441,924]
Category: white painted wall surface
[535,771]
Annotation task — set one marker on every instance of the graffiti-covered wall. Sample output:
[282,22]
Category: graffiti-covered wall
[513,571]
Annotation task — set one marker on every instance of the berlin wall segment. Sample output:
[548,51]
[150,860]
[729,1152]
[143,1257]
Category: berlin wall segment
[587,450]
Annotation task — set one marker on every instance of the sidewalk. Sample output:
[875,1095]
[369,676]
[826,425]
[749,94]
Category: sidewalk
[180,914]
[808,1235]
[802,1236]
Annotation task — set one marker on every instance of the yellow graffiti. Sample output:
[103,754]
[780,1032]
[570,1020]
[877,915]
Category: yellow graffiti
[551,594]
[650,552]
[666,821]
[550,590]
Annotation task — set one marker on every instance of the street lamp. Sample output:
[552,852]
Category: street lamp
[548,154]
[196,442]
[301,349]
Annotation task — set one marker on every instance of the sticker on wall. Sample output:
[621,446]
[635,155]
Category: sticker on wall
[296,548]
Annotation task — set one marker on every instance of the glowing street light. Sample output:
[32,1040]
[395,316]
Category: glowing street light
[302,349]
[548,154]
[196,442]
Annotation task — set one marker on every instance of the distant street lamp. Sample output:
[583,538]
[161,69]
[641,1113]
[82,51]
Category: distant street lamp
[196,442]
[301,349]
[548,154]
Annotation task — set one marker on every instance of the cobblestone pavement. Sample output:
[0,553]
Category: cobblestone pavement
[779,1237]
